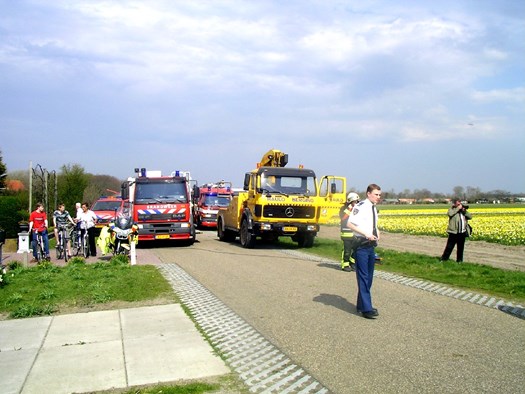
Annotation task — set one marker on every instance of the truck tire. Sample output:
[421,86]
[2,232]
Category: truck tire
[246,237]
[223,234]
[305,240]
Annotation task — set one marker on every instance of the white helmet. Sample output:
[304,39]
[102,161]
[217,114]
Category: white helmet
[352,197]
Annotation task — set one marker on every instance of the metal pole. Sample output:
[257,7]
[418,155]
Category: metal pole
[46,202]
[30,184]
[56,190]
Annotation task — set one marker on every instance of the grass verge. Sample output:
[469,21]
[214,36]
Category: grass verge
[509,285]
[47,289]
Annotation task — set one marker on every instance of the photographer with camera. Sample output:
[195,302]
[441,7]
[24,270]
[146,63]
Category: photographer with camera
[458,230]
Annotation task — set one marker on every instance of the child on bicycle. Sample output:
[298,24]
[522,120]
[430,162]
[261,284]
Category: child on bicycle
[38,224]
[61,218]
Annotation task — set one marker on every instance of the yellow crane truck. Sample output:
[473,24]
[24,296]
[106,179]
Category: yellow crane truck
[278,201]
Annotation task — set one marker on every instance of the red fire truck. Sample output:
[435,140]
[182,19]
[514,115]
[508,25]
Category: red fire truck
[208,199]
[161,205]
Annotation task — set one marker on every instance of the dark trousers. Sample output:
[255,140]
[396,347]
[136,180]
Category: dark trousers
[348,250]
[91,241]
[365,258]
[457,240]
[92,244]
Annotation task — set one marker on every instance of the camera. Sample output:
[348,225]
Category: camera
[465,206]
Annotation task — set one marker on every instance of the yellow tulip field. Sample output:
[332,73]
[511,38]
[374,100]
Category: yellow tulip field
[498,224]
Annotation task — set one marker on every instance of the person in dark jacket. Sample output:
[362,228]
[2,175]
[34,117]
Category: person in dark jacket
[458,230]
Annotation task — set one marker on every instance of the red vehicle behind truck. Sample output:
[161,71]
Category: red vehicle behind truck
[161,205]
[106,209]
[208,199]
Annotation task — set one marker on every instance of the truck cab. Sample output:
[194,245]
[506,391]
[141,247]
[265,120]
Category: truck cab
[162,205]
[208,199]
[278,201]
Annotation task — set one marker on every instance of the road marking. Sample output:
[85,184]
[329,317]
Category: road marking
[262,367]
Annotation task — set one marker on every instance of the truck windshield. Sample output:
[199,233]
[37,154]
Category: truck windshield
[106,205]
[282,184]
[161,192]
[216,201]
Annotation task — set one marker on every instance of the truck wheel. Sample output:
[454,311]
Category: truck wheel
[221,234]
[225,235]
[246,237]
[305,240]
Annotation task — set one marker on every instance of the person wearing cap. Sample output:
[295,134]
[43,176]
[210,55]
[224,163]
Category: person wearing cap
[347,259]
[363,223]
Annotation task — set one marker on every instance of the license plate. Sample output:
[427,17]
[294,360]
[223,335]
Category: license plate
[162,236]
[290,229]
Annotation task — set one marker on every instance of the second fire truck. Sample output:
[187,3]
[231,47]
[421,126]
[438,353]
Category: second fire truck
[208,199]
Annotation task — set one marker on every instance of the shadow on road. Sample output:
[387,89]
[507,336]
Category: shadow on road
[336,301]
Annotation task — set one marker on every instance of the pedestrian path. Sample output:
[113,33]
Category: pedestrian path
[86,352]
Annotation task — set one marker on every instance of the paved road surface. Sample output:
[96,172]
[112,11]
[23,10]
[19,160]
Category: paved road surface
[422,342]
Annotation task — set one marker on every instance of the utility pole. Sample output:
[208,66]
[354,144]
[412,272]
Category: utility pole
[30,185]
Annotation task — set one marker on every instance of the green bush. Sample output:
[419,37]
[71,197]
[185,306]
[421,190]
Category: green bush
[11,212]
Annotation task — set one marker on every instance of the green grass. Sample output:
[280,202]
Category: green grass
[509,285]
[46,289]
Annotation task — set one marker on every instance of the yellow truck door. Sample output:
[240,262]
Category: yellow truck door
[331,196]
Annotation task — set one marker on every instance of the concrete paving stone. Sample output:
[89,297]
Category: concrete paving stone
[82,328]
[171,357]
[160,320]
[14,367]
[77,368]
[23,333]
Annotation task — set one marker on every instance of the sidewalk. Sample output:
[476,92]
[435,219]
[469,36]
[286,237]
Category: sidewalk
[94,351]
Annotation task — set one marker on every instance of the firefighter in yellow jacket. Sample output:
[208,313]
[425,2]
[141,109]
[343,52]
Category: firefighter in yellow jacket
[347,260]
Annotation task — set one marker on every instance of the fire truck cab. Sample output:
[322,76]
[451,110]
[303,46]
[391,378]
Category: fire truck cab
[161,205]
[208,199]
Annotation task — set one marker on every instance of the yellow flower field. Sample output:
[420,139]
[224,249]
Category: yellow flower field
[503,225]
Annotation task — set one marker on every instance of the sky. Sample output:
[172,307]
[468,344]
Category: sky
[406,94]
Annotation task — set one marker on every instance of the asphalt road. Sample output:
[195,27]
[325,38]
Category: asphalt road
[421,343]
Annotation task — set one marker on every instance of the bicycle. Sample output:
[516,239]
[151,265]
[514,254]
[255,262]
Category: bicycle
[61,246]
[80,240]
[40,250]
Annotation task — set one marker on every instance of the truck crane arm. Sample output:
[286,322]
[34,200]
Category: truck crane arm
[273,158]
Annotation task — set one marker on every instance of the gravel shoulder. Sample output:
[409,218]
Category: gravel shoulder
[480,252]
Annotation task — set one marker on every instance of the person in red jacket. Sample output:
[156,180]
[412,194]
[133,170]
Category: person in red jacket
[38,224]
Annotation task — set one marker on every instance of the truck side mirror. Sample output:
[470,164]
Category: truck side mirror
[246,181]
[333,188]
[196,192]
[124,190]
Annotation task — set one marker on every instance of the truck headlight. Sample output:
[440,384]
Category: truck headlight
[266,226]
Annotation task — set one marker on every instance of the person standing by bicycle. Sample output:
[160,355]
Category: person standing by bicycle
[61,218]
[38,224]
[88,218]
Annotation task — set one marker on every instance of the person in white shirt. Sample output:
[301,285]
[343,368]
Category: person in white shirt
[363,223]
[88,219]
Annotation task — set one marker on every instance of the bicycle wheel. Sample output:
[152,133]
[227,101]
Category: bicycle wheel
[65,239]
[76,244]
[39,248]
[59,247]
[85,246]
